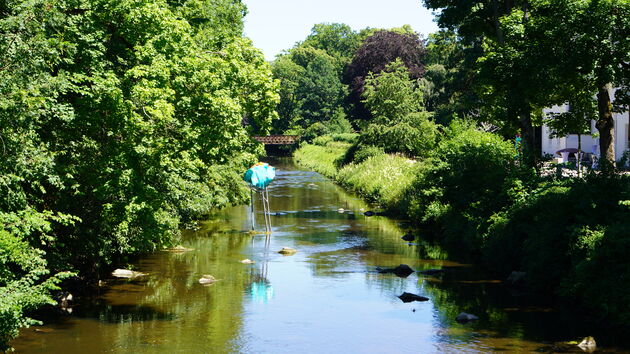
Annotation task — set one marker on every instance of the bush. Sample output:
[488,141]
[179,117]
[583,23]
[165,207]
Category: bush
[415,135]
[24,285]
[465,183]
[365,152]
[560,233]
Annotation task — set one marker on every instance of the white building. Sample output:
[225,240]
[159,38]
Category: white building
[589,144]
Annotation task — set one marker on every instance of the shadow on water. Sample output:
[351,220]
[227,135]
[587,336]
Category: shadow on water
[327,297]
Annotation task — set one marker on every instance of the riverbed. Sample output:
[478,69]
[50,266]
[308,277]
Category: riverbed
[329,297]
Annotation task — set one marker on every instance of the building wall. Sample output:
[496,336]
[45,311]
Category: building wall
[589,144]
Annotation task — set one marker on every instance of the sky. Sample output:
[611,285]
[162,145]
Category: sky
[275,25]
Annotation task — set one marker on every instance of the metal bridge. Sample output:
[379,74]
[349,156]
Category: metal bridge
[278,139]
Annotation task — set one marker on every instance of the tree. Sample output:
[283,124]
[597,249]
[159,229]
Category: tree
[119,120]
[320,90]
[391,95]
[540,52]
[376,52]
[450,75]
[336,39]
[399,122]
[311,90]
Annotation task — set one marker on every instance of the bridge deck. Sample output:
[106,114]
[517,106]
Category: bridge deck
[278,139]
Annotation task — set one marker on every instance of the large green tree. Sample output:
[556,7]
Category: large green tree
[120,120]
[311,89]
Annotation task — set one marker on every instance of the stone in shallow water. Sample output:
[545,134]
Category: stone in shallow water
[402,270]
[588,344]
[126,273]
[207,279]
[287,251]
[465,317]
[409,297]
[180,249]
[408,237]
[247,261]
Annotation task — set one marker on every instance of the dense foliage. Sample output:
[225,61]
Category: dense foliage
[312,95]
[376,52]
[119,120]
[527,55]
[323,77]
[440,116]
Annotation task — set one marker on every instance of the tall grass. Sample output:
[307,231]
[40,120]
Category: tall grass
[382,178]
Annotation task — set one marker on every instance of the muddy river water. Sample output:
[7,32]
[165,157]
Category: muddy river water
[326,298]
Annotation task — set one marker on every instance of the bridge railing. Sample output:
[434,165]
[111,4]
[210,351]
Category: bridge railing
[278,139]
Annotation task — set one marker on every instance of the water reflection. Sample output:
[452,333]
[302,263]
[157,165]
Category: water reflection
[327,297]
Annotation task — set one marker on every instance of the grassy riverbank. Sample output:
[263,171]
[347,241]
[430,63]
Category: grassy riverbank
[569,236]
[381,178]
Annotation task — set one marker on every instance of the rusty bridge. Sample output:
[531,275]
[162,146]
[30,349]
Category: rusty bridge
[278,139]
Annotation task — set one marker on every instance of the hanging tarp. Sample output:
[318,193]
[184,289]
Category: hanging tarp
[260,175]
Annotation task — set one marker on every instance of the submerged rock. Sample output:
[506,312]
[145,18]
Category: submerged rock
[126,273]
[465,317]
[588,344]
[207,279]
[408,237]
[179,249]
[287,251]
[409,297]
[247,261]
[402,270]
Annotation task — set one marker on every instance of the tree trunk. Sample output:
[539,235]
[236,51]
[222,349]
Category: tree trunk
[606,124]
[497,23]
[529,142]
[578,156]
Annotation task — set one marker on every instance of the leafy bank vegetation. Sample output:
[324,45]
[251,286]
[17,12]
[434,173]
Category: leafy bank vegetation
[119,120]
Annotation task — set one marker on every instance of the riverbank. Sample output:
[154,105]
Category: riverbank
[565,238]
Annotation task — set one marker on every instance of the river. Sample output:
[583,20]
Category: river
[326,298]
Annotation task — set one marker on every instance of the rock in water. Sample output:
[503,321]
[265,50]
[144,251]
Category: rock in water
[409,297]
[179,249]
[369,213]
[402,270]
[247,261]
[465,317]
[408,237]
[126,273]
[207,279]
[287,251]
[588,344]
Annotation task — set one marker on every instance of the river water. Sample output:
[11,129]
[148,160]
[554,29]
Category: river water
[326,298]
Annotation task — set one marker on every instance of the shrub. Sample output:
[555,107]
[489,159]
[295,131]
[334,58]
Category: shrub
[415,135]
[365,152]
[464,183]
[24,285]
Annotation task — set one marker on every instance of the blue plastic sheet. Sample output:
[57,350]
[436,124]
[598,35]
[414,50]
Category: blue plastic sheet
[260,175]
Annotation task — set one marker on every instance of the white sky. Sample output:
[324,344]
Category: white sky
[275,25]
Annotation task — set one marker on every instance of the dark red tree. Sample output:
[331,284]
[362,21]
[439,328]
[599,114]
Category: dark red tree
[378,50]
